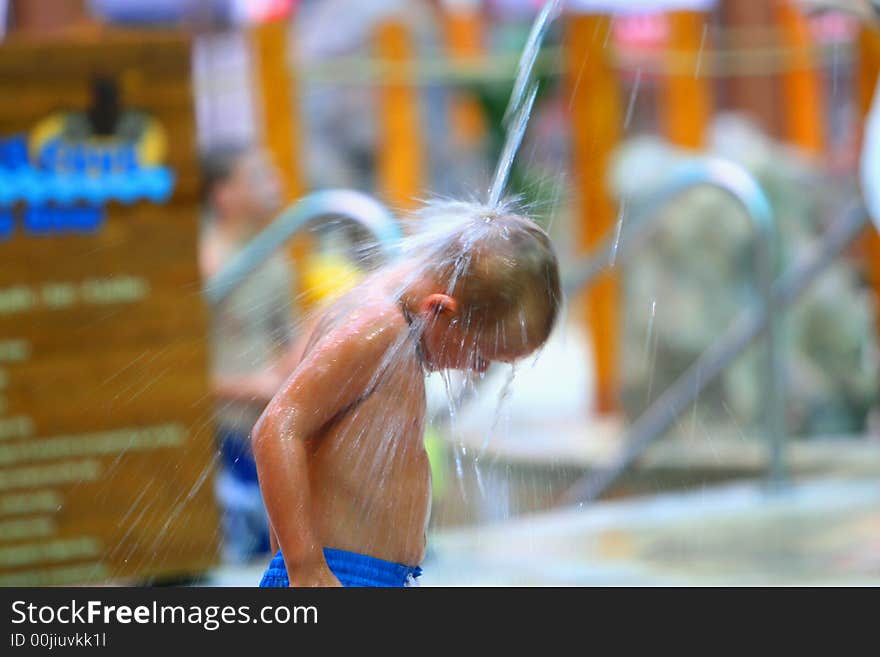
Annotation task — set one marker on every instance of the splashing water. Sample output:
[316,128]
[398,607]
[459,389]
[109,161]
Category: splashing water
[634,94]
[699,65]
[451,397]
[616,245]
[503,397]
[522,98]
[438,220]
[649,334]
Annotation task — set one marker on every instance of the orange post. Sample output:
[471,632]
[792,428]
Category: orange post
[596,123]
[280,117]
[867,80]
[753,93]
[275,86]
[803,100]
[686,95]
[464,39]
[400,152]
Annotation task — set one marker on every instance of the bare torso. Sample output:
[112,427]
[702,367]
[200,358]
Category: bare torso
[369,474]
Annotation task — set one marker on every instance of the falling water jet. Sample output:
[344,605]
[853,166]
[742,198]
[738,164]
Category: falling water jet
[649,334]
[511,145]
[620,216]
[699,63]
[634,94]
[503,396]
[522,98]
[528,58]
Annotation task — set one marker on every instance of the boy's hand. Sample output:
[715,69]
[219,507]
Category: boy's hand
[320,576]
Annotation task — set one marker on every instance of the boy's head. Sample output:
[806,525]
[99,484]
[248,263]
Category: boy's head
[489,287]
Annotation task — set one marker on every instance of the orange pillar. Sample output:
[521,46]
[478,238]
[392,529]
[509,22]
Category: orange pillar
[803,99]
[867,80]
[686,93]
[276,87]
[754,94]
[280,115]
[596,123]
[464,38]
[400,145]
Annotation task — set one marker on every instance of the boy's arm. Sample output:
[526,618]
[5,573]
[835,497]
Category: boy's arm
[284,481]
[334,375]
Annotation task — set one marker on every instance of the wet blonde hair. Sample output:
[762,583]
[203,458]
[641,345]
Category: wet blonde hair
[502,269]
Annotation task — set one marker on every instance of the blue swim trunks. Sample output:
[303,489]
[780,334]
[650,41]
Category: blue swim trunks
[351,569]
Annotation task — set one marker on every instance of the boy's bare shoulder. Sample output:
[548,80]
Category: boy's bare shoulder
[348,356]
[347,352]
[373,325]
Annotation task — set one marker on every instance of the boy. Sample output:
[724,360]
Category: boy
[342,467]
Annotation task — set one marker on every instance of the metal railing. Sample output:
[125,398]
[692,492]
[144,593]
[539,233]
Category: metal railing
[740,185]
[748,326]
[353,205]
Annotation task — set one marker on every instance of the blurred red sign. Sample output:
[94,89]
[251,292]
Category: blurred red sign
[261,11]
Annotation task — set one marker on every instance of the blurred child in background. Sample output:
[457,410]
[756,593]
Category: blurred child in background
[252,333]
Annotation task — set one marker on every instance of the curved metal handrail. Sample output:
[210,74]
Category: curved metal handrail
[739,184]
[750,323]
[728,177]
[354,205]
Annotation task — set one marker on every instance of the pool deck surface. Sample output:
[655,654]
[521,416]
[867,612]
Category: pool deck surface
[823,532]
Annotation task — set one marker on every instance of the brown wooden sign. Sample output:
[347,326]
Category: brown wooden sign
[106,436]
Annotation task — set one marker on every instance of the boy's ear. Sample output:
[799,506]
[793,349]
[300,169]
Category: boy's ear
[438,304]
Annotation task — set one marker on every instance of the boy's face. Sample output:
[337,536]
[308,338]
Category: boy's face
[449,341]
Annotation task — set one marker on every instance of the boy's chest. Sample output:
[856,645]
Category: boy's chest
[398,404]
[380,438]
[393,413]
